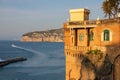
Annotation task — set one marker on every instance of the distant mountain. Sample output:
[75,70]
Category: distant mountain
[54,35]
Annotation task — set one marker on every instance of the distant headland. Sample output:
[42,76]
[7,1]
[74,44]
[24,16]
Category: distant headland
[53,35]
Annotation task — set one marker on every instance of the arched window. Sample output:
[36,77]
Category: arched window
[91,37]
[106,35]
[81,37]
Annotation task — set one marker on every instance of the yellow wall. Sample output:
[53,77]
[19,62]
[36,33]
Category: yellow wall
[115,36]
[84,41]
[79,14]
[67,36]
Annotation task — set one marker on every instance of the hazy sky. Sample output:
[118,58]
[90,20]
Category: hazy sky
[21,16]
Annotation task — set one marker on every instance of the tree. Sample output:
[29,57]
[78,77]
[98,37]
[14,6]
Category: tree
[115,7]
[106,6]
[111,8]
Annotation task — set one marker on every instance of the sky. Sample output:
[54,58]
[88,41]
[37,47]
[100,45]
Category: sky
[21,16]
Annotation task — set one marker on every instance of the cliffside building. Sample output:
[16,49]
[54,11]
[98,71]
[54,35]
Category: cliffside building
[82,35]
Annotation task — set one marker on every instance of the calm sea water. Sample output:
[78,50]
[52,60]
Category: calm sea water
[46,61]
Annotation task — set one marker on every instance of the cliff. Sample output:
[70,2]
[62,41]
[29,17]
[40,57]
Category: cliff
[54,35]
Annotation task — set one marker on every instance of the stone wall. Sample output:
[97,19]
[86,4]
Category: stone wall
[100,66]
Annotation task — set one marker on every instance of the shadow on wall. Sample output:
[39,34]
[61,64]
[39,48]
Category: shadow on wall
[101,66]
[113,52]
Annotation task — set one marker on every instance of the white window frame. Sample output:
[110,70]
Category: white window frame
[110,36]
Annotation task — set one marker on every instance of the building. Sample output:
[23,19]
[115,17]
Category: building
[82,35]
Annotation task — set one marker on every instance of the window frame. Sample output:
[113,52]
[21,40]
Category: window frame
[81,37]
[91,36]
[110,35]
[106,35]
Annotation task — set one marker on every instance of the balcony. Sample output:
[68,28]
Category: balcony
[77,48]
[89,23]
[84,49]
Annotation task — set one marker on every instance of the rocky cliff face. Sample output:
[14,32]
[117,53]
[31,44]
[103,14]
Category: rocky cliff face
[95,64]
[55,35]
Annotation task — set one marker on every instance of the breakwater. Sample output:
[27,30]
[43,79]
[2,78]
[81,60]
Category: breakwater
[9,61]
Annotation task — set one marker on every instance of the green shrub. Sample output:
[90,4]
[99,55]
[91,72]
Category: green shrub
[96,51]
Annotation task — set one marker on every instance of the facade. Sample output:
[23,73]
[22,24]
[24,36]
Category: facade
[82,35]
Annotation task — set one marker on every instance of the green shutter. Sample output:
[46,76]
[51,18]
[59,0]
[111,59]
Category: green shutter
[91,37]
[81,37]
[106,35]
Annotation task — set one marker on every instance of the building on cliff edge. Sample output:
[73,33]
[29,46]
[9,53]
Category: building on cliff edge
[91,47]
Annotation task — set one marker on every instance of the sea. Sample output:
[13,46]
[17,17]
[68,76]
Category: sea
[45,60]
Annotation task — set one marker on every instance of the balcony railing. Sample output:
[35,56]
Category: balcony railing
[92,22]
[83,22]
[77,48]
[85,48]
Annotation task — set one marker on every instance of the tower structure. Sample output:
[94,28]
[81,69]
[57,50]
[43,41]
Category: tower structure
[82,35]
[79,14]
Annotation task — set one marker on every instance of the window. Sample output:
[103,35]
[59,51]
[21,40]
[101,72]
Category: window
[91,36]
[72,39]
[81,37]
[106,35]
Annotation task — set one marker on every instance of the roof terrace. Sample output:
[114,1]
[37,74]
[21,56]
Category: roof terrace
[89,23]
